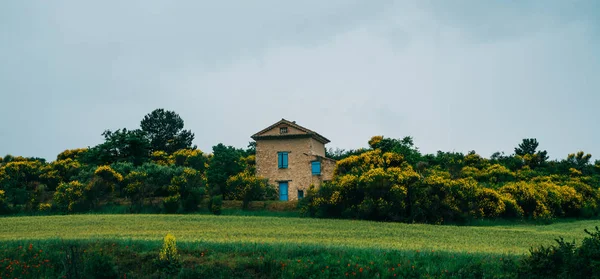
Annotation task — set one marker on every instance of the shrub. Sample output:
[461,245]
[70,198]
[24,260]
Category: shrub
[489,203]
[531,198]
[44,207]
[99,265]
[70,196]
[247,187]
[564,260]
[171,204]
[168,257]
[4,209]
[215,204]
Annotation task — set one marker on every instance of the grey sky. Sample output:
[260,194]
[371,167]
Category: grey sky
[455,75]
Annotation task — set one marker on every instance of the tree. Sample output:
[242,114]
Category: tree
[226,162]
[527,151]
[404,147]
[120,146]
[164,130]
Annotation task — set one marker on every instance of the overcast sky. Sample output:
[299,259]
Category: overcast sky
[454,75]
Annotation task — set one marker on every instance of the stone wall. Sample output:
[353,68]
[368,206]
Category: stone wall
[301,152]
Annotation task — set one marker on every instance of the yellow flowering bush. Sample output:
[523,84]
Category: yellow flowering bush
[248,187]
[72,154]
[192,158]
[374,141]
[162,158]
[490,203]
[168,256]
[108,174]
[70,196]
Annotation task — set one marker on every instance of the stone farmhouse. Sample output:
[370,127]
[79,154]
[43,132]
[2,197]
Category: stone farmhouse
[292,158]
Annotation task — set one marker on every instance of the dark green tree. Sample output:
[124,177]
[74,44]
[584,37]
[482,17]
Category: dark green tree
[120,146]
[226,161]
[528,151]
[164,130]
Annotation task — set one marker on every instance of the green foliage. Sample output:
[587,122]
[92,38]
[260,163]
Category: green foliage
[164,131]
[119,146]
[102,185]
[99,265]
[18,179]
[73,154]
[226,162]
[216,204]
[4,209]
[171,203]
[527,152]
[190,187]
[564,260]
[192,158]
[59,171]
[168,257]
[247,187]
[70,196]
[404,147]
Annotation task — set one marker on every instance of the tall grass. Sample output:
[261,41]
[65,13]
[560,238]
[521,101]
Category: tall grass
[136,259]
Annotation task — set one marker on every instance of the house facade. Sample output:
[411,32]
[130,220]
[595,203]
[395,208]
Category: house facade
[292,158]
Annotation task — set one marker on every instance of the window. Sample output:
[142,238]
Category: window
[300,194]
[283,191]
[283,130]
[282,160]
[316,167]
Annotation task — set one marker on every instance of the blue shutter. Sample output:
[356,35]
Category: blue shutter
[300,194]
[282,160]
[316,168]
[279,160]
[283,191]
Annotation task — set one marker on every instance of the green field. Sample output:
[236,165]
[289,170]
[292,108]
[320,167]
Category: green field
[509,239]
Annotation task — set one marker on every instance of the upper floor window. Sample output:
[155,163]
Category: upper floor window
[283,130]
[316,167]
[282,160]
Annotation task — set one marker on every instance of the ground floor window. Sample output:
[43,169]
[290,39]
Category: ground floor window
[300,194]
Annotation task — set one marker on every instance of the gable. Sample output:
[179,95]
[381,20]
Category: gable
[290,129]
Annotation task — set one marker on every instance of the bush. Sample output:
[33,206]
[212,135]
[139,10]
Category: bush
[70,197]
[171,204]
[215,204]
[564,260]
[489,203]
[4,209]
[99,265]
[247,187]
[168,257]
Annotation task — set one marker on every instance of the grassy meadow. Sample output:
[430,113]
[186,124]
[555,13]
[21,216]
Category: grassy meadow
[513,239]
[127,246]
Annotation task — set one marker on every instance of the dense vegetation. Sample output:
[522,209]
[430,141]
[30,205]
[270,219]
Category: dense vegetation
[156,169]
[393,181]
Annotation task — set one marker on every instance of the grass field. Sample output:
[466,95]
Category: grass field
[507,239]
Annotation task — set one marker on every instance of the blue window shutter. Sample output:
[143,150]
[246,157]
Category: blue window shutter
[280,160]
[316,168]
[285,160]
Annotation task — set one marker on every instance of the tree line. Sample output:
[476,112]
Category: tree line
[156,168]
[393,181]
